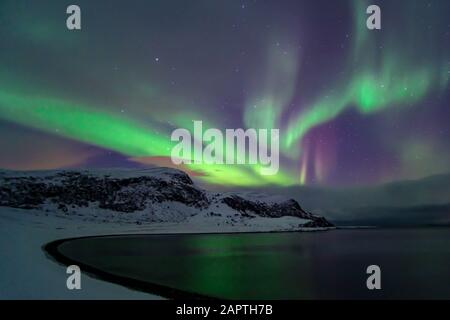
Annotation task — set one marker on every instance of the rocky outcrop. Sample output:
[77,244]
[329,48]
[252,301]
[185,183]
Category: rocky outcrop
[275,210]
[80,189]
[128,191]
[271,210]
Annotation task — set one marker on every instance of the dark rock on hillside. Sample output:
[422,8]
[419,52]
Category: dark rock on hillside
[271,210]
[275,210]
[318,222]
[82,189]
[148,191]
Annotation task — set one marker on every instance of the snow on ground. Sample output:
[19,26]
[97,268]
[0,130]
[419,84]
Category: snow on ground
[26,272]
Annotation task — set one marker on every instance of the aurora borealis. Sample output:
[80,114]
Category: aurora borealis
[354,106]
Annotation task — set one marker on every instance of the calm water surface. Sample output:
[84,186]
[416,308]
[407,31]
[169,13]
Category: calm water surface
[415,263]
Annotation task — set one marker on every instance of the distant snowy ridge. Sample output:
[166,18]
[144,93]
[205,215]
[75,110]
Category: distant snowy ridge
[156,195]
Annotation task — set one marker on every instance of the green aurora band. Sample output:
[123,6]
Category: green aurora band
[129,137]
[394,77]
[84,124]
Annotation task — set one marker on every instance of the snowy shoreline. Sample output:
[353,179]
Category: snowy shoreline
[39,207]
[27,272]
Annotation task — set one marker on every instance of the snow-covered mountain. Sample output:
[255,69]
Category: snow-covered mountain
[156,195]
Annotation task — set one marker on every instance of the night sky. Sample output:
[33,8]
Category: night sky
[354,106]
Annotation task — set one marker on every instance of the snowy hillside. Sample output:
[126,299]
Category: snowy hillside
[156,196]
